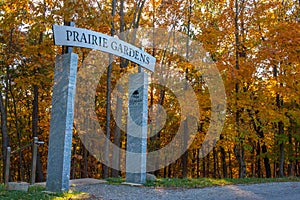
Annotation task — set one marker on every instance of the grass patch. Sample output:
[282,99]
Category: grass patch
[209,182]
[115,181]
[38,193]
[263,180]
[203,182]
[186,183]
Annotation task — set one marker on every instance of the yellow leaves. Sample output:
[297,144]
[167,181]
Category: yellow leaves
[116,19]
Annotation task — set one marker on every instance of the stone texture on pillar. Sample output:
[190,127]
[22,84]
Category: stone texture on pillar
[61,124]
[137,128]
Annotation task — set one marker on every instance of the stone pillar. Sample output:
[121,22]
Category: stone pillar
[61,124]
[137,128]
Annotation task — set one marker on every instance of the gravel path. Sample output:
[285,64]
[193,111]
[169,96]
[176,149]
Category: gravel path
[272,191]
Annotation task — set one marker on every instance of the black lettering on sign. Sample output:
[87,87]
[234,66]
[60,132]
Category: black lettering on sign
[76,35]
[120,48]
[114,45]
[69,34]
[83,38]
[105,45]
[137,54]
[126,50]
[89,38]
[143,58]
[131,52]
[147,60]
[94,39]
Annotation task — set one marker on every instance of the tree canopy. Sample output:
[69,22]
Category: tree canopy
[254,44]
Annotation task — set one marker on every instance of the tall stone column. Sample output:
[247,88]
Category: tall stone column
[137,128]
[61,124]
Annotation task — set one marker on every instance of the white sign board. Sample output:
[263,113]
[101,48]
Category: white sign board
[71,36]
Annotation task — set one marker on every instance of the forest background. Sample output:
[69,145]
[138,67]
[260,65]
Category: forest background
[255,45]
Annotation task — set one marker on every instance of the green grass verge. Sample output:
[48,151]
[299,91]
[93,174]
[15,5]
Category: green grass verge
[115,181]
[203,182]
[38,193]
[209,182]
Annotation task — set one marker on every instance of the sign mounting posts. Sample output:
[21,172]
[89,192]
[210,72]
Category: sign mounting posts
[137,120]
[61,123]
[63,97]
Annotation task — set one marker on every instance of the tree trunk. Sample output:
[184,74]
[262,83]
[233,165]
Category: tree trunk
[240,155]
[5,137]
[203,164]
[279,103]
[3,110]
[266,161]
[292,153]
[35,120]
[186,131]
[108,93]
[19,134]
[253,161]
[224,165]
[239,148]
[185,155]
[198,163]
[281,149]
[215,163]
[275,171]
[258,161]
[35,114]
[230,165]
[74,161]
[207,165]
[157,137]
[123,62]
[297,168]
[117,132]
[263,149]
[136,19]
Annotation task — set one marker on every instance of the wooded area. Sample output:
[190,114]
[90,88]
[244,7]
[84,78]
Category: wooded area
[255,44]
